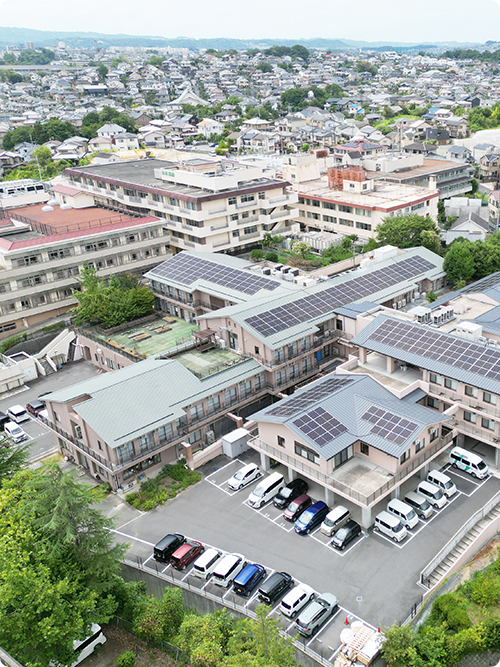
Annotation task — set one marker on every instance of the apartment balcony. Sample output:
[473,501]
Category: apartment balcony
[358,479]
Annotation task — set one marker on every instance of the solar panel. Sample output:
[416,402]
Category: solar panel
[306,398]
[320,426]
[286,316]
[185,269]
[389,426]
[462,354]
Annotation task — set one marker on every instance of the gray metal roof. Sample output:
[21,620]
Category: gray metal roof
[471,377]
[137,399]
[348,404]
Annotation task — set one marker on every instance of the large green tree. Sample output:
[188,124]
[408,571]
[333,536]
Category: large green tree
[459,262]
[405,231]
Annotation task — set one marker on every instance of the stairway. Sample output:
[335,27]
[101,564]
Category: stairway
[444,567]
[47,367]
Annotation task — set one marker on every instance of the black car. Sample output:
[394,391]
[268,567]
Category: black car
[35,407]
[349,531]
[289,492]
[3,420]
[277,584]
[166,547]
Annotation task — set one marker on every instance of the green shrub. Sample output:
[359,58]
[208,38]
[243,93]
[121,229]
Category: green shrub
[449,609]
[131,497]
[484,591]
[466,642]
[272,256]
[257,254]
[492,634]
[126,659]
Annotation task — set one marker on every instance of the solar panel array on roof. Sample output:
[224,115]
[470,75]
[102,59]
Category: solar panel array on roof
[389,426]
[307,398]
[186,269]
[484,284]
[320,426]
[281,318]
[447,349]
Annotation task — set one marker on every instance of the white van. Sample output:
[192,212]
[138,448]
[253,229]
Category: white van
[266,490]
[433,494]
[335,519]
[205,564]
[14,432]
[227,569]
[420,504]
[295,599]
[18,414]
[391,526]
[442,481]
[472,463]
[403,512]
[82,649]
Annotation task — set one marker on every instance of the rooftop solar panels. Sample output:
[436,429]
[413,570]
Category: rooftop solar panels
[286,316]
[185,269]
[307,398]
[447,349]
[320,426]
[389,426]
[484,284]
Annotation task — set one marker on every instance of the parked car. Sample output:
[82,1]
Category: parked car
[296,507]
[35,407]
[244,476]
[311,517]
[166,546]
[248,579]
[18,414]
[292,490]
[296,599]
[3,420]
[277,584]
[15,432]
[316,613]
[349,531]
[186,554]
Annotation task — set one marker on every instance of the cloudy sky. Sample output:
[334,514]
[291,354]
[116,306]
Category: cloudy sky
[370,20]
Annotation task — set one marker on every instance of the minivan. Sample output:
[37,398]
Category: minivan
[227,569]
[14,432]
[311,517]
[166,547]
[297,487]
[442,481]
[433,494]
[335,519]
[186,554]
[248,579]
[18,414]
[391,526]
[296,507]
[266,490]
[277,584]
[295,599]
[205,564]
[468,461]
[403,512]
[420,504]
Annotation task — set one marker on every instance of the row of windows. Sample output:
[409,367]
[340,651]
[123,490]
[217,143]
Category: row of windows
[473,392]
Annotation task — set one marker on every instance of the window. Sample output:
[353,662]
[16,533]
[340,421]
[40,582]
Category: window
[245,215]
[256,349]
[314,216]
[365,212]
[60,254]
[315,202]
[346,223]
[364,448]
[258,382]
[110,363]
[197,411]
[280,378]
[470,417]
[247,198]
[77,430]
[165,433]
[433,434]
[363,225]
[146,442]
[433,402]
[189,205]
[128,192]
[405,456]
[281,441]
[489,398]
[435,379]
[245,388]
[250,230]
[343,456]
[471,391]
[488,423]
[262,195]
[230,396]
[172,201]
[345,209]
[450,384]
[330,205]
[306,453]
[234,217]
[419,444]
[99,444]
[329,218]
[193,437]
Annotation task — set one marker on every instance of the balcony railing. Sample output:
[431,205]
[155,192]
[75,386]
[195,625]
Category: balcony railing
[335,485]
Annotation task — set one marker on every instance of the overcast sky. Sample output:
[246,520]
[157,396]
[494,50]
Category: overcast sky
[370,20]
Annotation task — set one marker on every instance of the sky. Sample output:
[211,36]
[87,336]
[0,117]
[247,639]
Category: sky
[367,20]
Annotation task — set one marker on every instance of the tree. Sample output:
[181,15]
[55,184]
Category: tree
[301,249]
[397,648]
[102,70]
[459,262]
[405,231]
[42,155]
[12,459]
[265,67]
[205,638]
[441,216]
[431,241]
[161,619]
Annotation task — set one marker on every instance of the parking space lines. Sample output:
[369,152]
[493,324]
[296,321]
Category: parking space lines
[131,537]
[147,559]
[324,627]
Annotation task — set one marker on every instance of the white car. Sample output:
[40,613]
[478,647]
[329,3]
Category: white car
[295,599]
[244,476]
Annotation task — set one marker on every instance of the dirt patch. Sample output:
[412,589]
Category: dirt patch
[480,560]
[118,641]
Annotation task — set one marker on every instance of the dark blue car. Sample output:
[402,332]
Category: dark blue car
[311,517]
[248,579]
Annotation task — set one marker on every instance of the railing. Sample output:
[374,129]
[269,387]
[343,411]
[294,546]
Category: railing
[253,235]
[218,245]
[214,228]
[102,341]
[246,221]
[459,535]
[340,487]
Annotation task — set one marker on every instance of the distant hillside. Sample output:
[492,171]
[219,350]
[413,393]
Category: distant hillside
[47,38]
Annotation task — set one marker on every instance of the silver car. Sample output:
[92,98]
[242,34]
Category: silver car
[316,613]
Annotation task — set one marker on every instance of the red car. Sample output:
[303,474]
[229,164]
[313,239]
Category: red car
[296,507]
[186,554]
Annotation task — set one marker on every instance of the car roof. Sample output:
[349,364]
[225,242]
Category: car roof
[318,505]
[301,499]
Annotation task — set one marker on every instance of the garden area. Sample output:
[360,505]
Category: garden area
[171,480]
[461,623]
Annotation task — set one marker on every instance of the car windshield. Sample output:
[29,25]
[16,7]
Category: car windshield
[306,516]
[425,505]
[341,533]
[285,493]
[438,494]
[328,522]
[258,492]
[293,507]
[16,431]
[481,465]
[448,484]
[239,475]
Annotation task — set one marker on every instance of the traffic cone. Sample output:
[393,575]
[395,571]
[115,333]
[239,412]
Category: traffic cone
[346,622]
[378,630]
